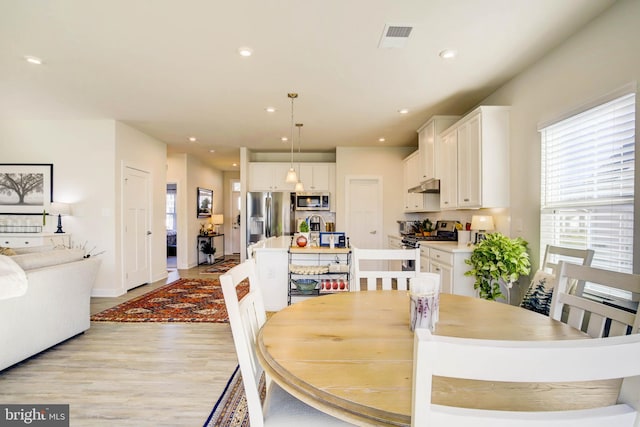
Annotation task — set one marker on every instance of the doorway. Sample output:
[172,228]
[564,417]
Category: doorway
[171,224]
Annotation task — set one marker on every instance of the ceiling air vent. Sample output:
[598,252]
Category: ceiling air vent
[395,36]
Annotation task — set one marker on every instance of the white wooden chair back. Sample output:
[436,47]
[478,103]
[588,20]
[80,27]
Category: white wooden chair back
[363,256]
[538,361]
[554,254]
[246,317]
[600,316]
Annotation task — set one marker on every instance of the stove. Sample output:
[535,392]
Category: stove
[445,232]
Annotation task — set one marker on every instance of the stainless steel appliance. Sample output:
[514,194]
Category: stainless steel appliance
[269,214]
[445,231]
[405,227]
[312,201]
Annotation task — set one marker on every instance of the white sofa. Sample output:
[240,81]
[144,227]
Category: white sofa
[54,307]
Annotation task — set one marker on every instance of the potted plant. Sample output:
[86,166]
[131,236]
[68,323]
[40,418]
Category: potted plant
[427,227]
[208,249]
[498,259]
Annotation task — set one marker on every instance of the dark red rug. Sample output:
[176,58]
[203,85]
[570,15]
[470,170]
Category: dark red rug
[221,267]
[185,300]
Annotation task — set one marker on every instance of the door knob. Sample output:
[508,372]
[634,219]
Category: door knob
[373,232]
[148,233]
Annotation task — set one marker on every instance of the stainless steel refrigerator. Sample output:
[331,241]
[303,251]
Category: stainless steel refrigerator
[269,214]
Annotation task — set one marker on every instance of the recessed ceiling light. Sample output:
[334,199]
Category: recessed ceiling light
[270,110]
[403,111]
[192,139]
[284,139]
[33,60]
[448,54]
[381,140]
[234,165]
[245,51]
[212,151]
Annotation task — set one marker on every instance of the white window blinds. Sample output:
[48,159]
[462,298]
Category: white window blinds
[588,183]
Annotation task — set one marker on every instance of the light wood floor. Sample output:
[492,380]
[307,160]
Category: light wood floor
[130,374]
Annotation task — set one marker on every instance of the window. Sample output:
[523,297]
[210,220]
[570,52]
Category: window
[587,188]
[170,218]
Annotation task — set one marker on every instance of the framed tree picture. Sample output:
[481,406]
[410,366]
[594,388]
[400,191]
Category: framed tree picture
[205,202]
[25,188]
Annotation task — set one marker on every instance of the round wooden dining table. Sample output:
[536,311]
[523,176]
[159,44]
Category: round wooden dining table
[351,355]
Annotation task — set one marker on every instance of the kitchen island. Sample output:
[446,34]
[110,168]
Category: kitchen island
[272,266]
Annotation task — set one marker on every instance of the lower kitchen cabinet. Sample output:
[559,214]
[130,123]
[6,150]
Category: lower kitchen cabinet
[450,264]
[394,242]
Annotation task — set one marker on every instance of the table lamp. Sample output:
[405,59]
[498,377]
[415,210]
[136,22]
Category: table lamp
[60,209]
[217,220]
[481,224]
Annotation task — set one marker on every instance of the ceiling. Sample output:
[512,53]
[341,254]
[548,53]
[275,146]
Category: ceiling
[172,70]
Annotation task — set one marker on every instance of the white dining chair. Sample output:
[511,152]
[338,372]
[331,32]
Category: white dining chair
[554,254]
[544,362]
[246,317]
[602,319]
[538,295]
[368,266]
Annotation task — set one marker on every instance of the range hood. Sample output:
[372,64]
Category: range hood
[429,186]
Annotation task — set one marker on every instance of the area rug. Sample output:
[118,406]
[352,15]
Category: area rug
[185,300]
[221,267]
[231,407]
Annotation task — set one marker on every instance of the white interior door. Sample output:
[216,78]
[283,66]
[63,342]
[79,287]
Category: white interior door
[364,211]
[137,232]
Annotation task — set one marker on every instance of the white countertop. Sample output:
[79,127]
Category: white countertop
[447,246]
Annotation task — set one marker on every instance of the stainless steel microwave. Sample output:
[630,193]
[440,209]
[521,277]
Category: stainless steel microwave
[312,201]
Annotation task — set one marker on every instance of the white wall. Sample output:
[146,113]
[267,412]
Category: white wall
[140,151]
[87,157]
[82,153]
[381,161]
[602,57]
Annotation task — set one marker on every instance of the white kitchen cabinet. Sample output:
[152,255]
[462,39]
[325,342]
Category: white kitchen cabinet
[394,242]
[447,159]
[450,265]
[428,134]
[425,263]
[481,164]
[265,176]
[316,176]
[416,202]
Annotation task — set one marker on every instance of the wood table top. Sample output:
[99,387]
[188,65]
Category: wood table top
[351,355]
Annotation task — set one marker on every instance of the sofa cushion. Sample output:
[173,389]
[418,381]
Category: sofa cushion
[13,280]
[33,260]
[538,296]
[31,249]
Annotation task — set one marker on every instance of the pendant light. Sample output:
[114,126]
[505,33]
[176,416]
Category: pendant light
[292,176]
[299,186]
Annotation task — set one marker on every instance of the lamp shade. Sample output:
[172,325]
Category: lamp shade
[217,219]
[58,208]
[482,222]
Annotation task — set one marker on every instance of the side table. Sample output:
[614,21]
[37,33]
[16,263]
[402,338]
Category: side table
[207,242]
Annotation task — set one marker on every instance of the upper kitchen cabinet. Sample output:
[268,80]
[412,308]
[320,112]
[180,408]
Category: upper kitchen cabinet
[265,176]
[481,164]
[317,176]
[416,202]
[428,134]
[447,160]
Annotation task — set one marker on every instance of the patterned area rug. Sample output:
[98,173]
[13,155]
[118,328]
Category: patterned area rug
[220,268]
[231,408]
[185,300]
